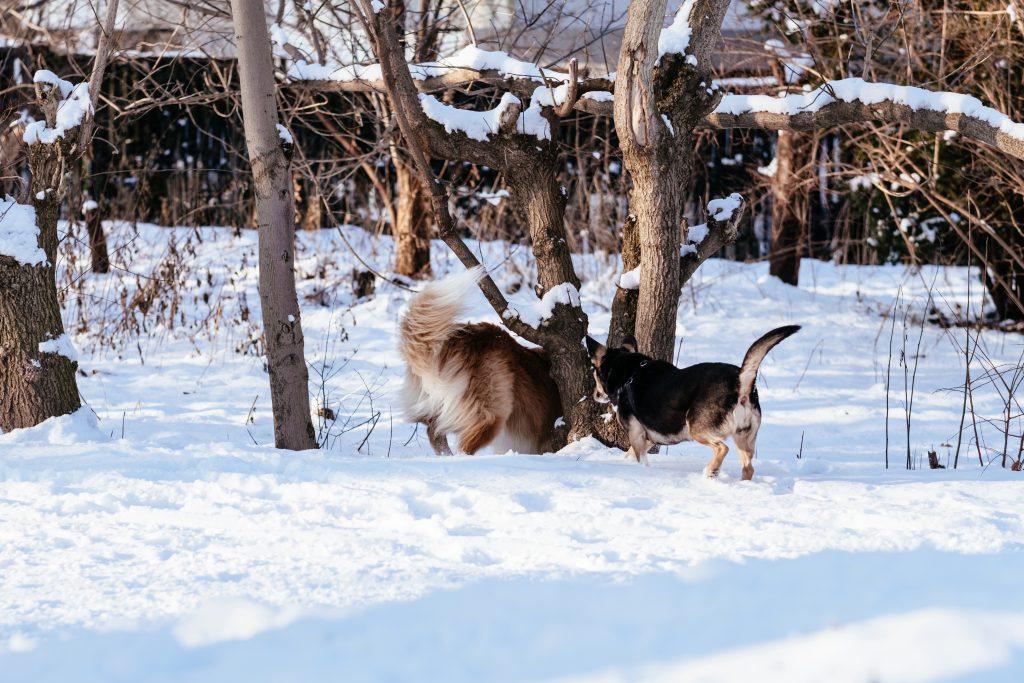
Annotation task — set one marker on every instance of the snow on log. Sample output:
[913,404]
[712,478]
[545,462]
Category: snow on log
[854,100]
[19,233]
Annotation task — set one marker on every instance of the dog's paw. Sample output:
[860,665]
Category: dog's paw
[710,473]
[644,461]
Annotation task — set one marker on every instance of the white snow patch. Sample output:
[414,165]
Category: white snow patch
[536,313]
[630,279]
[19,233]
[721,209]
[227,618]
[598,96]
[469,57]
[697,233]
[61,346]
[285,134]
[676,37]
[71,111]
[89,205]
[771,169]
[80,427]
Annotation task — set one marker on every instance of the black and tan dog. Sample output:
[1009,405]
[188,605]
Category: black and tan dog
[658,403]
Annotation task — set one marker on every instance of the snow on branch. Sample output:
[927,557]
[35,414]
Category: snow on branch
[19,233]
[476,125]
[701,240]
[676,38]
[854,100]
[537,313]
[465,66]
[61,346]
[724,217]
[72,108]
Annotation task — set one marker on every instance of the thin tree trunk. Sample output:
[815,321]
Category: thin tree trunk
[94,224]
[788,206]
[37,385]
[97,238]
[275,214]
[413,222]
[623,320]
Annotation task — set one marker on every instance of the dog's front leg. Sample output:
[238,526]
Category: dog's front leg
[438,440]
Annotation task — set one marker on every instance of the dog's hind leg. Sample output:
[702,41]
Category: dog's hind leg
[639,444]
[720,449]
[745,447]
[483,432]
[438,440]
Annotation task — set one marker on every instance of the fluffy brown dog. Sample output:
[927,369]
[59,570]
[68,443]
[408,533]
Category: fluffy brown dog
[473,379]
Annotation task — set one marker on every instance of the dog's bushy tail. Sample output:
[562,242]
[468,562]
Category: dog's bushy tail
[430,319]
[756,353]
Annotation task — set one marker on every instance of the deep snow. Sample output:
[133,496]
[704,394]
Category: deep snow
[162,543]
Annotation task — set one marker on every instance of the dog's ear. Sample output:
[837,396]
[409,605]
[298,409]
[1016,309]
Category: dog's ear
[596,350]
[629,343]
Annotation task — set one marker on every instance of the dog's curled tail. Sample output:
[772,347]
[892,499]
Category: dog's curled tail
[430,319]
[756,353]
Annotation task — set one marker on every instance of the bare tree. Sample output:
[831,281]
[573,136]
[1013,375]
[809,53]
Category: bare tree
[269,151]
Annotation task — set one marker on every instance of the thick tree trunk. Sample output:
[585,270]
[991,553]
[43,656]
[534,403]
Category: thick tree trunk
[789,204]
[659,101]
[537,191]
[654,202]
[275,214]
[412,223]
[34,386]
[37,385]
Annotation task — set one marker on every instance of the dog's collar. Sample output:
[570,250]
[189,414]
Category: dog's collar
[628,383]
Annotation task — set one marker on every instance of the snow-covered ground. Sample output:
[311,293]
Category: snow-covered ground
[170,541]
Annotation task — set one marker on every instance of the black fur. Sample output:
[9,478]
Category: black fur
[659,403]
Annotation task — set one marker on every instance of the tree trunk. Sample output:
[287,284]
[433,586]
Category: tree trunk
[659,101]
[654,199]
[412,222]
[97,239]
[37,385]
[536,189]
[789,201]
[623,320]
[275,215]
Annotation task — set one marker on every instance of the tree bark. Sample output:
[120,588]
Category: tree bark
[275,214]
[413,222]
[35,386]
[789,203]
